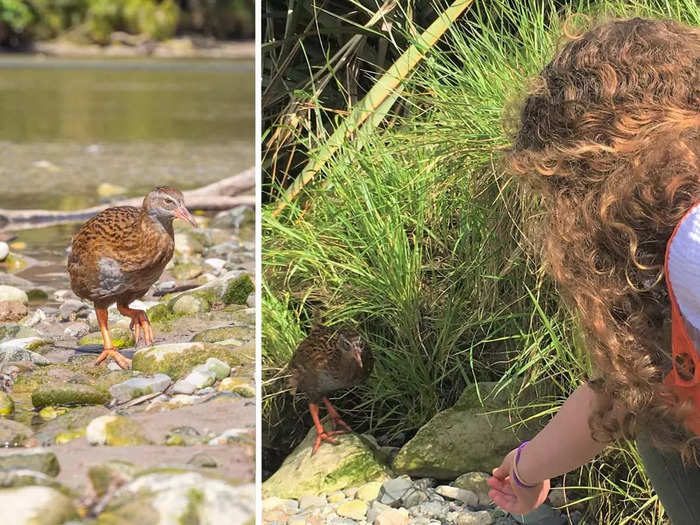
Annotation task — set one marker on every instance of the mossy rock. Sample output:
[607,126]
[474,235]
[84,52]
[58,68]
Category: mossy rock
[178,359]
[103,476]
[350,463]
[14,263]
[469,437]
[69,425]
[13,433]
[37,295]
[7,404]
[187,271]
[121,336]
[180,496]
[159,312]
[190,304]
[215,335]
[37,459]
[116,431]
[69,394]
[238,289]
[39,505]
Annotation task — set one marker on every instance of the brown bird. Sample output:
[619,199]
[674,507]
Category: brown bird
[118,254]
[327,360]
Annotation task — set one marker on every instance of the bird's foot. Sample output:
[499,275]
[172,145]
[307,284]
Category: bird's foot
[141,326]
[325,436]
[123,362]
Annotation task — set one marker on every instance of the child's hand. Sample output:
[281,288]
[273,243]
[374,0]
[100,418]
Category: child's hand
[508,495]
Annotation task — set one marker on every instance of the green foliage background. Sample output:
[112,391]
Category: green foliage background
[413,234]
[93,21]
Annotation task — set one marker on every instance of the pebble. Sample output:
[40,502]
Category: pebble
[77,329]
[64,295]
[466,496]
[336,497]
[369,491]
[34,319]
[4,251]
[228,436]
[165,286]
[307,501]
[355,509]
[216,263]
[205,391]
[391,517]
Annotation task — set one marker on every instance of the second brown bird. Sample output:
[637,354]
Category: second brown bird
[328,359]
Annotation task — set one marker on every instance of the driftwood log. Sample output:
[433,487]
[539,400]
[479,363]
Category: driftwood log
[220,195]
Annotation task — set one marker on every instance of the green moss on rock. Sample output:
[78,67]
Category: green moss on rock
[351,463]
[214,335]
[176,360]
[121,336]
[69,394]
[7,404]
[103,476]
[238,289]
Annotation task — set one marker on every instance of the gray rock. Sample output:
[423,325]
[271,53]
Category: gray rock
[77,329]
[13,433]
[542,515]
[183,387]
[414,497]
[23,347]
[216,263]
[8,279]
[72,309]
[4,251]
[394,490]
[65,295]
[139,386]
[11,294]
[37,459]
[37,504]
[430,509]
[206,391]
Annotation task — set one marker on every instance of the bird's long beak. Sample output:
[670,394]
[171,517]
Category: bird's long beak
[182,213]
[357,355]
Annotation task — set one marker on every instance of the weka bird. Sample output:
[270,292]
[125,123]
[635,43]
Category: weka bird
[118,254]
[327,360]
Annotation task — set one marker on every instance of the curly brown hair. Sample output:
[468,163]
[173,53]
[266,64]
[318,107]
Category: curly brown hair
[609,140]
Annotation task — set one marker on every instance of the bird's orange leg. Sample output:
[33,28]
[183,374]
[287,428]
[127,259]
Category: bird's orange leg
[335,417]
[139,324]
[321,434]
[109,350]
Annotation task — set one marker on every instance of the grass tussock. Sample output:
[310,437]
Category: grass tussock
[413,234]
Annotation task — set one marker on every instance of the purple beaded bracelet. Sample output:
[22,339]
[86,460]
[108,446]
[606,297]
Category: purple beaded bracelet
[514,472]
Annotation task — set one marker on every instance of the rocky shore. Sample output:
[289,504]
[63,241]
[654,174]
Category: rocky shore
[436,478]
[169,441]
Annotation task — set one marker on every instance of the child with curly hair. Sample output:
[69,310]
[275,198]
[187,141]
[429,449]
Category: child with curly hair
[609,141]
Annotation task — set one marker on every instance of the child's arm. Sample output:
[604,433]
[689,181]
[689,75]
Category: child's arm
[564,444]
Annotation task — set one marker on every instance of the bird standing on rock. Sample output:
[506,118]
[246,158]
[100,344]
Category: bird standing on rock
[118,254]
[327,360]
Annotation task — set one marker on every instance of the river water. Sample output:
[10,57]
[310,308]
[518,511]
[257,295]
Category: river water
[68,125]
